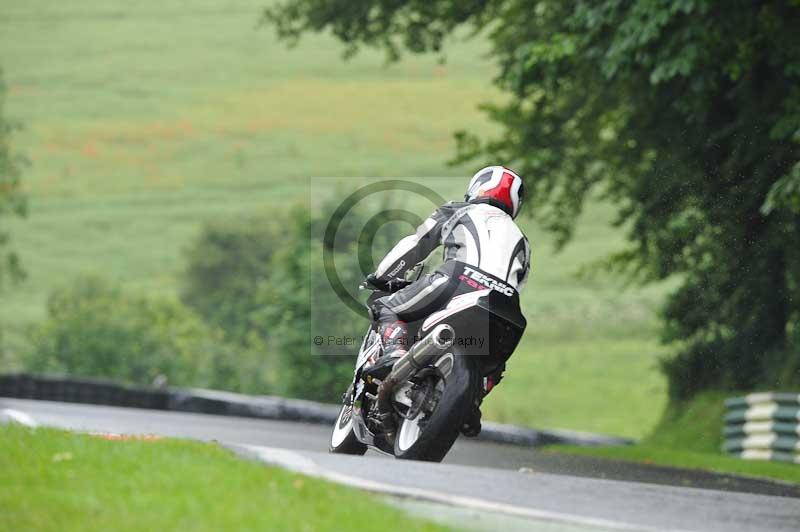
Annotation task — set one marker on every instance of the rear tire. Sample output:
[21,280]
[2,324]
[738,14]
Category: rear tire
[443,426]
[343,439]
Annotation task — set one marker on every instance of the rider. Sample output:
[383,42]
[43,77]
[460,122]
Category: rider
[478,233]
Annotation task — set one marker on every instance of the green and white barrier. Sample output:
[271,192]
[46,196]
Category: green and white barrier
[763,426]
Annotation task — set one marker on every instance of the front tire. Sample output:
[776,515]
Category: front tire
[433,441]
[343,439]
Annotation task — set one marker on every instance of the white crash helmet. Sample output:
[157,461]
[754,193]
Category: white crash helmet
[497,186]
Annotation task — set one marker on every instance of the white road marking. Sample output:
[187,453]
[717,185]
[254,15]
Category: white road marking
[19,417]
[299,463]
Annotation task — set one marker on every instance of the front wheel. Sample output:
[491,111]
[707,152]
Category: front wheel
[450,393]
[343,439]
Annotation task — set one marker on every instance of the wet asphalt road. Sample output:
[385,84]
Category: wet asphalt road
[582,490]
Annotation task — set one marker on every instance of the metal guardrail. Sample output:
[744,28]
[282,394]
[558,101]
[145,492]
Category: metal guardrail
[763,426]
[103,392]
[79,390]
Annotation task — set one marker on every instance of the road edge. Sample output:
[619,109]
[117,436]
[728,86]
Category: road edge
[298,463]
[202,401]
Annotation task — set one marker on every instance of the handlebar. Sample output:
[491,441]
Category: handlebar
[392,285]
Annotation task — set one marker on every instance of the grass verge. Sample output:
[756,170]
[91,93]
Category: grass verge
[56,480]
[689,436]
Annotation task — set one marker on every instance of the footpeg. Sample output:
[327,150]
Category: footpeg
[381,369]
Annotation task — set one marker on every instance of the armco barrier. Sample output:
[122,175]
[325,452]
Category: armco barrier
[763,426]
[100,392]
[258,406]
[77,390]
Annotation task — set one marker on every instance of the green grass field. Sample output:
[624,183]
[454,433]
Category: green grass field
[144,120]
[55,480]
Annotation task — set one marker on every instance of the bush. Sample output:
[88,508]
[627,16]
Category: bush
[253,295]
[226,263]
[261,280]
[94,329]
[296,284]
[243,278]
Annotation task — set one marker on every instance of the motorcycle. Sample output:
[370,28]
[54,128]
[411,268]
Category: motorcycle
[419,409]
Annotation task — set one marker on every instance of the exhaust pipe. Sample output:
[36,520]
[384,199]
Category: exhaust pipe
[421,354]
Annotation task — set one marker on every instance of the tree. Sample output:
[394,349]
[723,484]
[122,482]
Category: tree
[296,307]
[225,264]
[12,202]
[93,328]
[261,279]
[254,278]
[684,113]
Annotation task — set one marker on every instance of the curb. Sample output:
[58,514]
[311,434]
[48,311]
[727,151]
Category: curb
[221,403]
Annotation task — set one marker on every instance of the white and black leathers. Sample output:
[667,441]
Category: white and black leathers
[476,234]
[479,235]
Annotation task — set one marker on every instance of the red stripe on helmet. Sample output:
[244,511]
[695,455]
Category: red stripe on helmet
[503,191]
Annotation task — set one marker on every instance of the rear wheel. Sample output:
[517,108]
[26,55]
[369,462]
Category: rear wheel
[430,429]
[343,439]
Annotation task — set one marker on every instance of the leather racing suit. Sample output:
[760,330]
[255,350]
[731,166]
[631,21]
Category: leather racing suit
[478,238]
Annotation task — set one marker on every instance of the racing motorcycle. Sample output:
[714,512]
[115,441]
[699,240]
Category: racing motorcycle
[418,409]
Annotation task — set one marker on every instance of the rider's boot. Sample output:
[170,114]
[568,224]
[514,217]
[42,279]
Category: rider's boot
[395,345]
[472,423]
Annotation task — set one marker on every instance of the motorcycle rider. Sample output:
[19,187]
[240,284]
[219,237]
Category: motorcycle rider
[478,234]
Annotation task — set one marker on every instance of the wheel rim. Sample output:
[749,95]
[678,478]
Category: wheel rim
[410,429]
[409,433]
[343,426]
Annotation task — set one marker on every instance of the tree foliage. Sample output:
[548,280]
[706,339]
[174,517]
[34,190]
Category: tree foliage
[260,278]
[226,265]
[95,329]
[684,113]
[297,305]
[12,202]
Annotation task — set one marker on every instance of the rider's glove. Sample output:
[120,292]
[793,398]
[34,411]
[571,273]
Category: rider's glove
[378,283]
[391,285]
